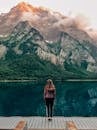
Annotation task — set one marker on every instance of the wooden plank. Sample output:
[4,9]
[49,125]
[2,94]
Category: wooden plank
[32,122]
[39,122]
[63,123]
[29,123]
[35,120]
[47,123]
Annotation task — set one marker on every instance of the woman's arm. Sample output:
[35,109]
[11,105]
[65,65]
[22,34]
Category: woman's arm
[54,92]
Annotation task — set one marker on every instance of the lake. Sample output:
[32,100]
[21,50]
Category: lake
[26,99]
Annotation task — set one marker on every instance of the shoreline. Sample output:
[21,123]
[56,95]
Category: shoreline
[39,80]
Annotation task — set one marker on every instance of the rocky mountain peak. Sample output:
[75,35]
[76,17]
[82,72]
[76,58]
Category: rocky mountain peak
[26,7]
[23,7]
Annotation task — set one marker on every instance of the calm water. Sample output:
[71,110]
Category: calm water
[26,99]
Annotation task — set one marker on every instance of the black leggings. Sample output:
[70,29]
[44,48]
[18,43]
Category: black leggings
[49,105]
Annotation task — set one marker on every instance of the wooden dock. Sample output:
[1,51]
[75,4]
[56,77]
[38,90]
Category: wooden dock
[42,123]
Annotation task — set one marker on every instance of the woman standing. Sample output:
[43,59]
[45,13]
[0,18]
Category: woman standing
[49,96]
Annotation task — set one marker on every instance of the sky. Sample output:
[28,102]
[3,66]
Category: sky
[88,8]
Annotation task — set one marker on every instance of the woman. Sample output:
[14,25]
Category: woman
[49,96]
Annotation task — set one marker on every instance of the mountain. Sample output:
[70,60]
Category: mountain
[20,58]
[25,53]
[36,42]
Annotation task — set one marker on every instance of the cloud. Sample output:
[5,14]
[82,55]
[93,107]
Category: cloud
[81,21]
[30,16]
[66,22]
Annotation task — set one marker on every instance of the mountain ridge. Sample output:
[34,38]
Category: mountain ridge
[51,21]
[68,56]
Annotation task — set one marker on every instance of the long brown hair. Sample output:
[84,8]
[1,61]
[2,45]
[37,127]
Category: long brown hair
[50,84]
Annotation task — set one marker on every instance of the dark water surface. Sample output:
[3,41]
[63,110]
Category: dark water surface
[26,99]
